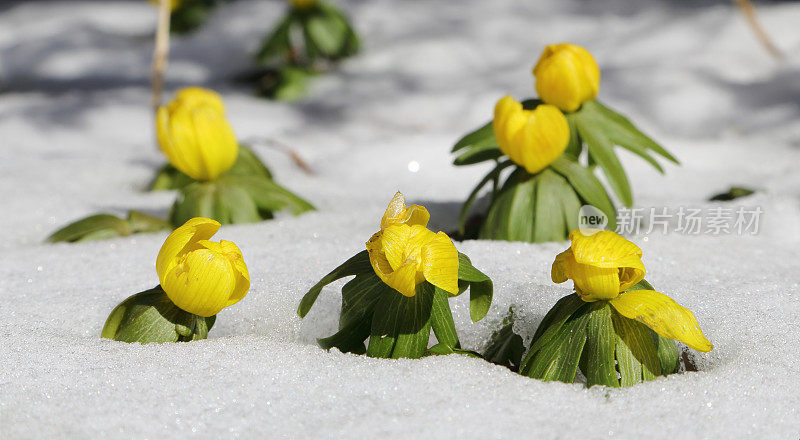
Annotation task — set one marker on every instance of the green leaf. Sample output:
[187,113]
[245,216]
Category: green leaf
[636,338]
[626,134]
[587,186]
[95,227]
[511,213]
[550,223]
[268,195]
[731,194]
[442,320]
[505,347]
[357,264]
[492,176]
[598,360]
[478,154]
[558,359]
[575,145]
[141,222]
[234,204]
[359,297]
[415,331]
[150,316]
[327,33]
[601,150]
[195,200]
[349,339]
[480,291]
[277,44]
[401,325]
[190,15]
[551,325]
[248,164]
[668,354]
[481,137]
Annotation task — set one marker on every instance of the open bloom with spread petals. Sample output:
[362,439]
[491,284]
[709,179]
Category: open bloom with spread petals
[604,265]
[198,275]
[194,134]
[566,76]
[404,253]
[532,139]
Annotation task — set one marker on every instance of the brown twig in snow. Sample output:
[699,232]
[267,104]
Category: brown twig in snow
[160,53]
[280,146]
[749,12]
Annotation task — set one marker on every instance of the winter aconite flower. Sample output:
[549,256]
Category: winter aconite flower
[567,76]
[201,276]
[603,265]
[405,253]
[194,134]
[532,139]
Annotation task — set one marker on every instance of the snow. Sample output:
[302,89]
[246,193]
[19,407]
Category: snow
[77,139]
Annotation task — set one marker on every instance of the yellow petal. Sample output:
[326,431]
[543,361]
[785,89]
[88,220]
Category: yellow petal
[559,272]
[377,257]
[201,282]
[216,142]
[397,213]
[604,249]
[665,316]
[234,255]
[594,283]
[440,263]
[182,240]
[198,96]
[404,278]
[546,136]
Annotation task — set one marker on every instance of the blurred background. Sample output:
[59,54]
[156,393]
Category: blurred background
[76,133]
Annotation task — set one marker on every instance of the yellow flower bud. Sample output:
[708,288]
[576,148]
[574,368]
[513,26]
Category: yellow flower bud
[532,139]
[198,275]
[566,76]
[601,265]
[405,253]
[302,4]
[194,134]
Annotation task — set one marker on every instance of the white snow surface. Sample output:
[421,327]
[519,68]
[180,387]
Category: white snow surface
[76,138]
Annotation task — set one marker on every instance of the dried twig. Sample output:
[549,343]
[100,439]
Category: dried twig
[160,53]
[749,12]
[280,146]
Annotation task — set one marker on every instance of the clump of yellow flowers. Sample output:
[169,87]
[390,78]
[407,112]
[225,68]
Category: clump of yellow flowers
[615,328]
[215,176]
[543,141]
[199,278]
[400,292]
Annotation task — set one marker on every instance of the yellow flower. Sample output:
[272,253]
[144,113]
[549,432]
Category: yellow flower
[302,4]
[603,265]
[173,4]
[194,134]
[198,275]
[531,138]
[566,76]
[405,253]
